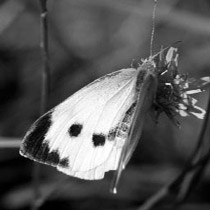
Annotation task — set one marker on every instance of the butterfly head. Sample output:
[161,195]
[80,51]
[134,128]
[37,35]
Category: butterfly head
[149,65]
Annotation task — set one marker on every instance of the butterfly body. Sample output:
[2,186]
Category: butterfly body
[84,135]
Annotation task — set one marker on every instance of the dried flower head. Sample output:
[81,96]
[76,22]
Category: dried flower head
[175,89]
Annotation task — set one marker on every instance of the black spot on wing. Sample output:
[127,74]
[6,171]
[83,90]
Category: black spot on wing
[33,141]
[75,130]
[98,139]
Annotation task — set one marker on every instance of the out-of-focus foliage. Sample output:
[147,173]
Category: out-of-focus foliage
[88,39]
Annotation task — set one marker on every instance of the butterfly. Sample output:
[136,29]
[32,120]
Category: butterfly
[98,128]
[84,136]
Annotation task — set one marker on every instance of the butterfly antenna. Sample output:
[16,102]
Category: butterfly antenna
[153,27]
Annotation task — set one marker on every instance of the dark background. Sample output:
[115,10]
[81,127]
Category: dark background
[88,39]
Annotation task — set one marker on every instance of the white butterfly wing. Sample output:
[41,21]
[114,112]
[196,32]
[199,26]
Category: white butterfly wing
[83,136]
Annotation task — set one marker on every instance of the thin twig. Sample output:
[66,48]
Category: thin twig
[154,199]
[44,90]
[166,190]
[45,56]
[10,143]
[196,164]
[51,189]
[192,180]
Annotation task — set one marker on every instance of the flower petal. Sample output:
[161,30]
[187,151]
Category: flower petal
[206,80]
[182,107]
[170,55]
[189,92]
[183,113]
[201,83]
[200,115]
[193,100]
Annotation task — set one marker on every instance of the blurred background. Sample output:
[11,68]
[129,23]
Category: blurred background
[88,39]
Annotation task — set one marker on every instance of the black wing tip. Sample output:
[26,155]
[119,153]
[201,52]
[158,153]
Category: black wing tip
[34,138]
[36,147]
[45,156]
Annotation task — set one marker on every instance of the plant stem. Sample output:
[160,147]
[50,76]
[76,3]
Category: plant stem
[44,90]
[154,199]
[190,182]
[45,56]
[189,175]
[9,143]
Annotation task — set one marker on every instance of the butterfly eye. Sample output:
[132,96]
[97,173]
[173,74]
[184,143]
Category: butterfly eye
[75,130]
[98,140]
